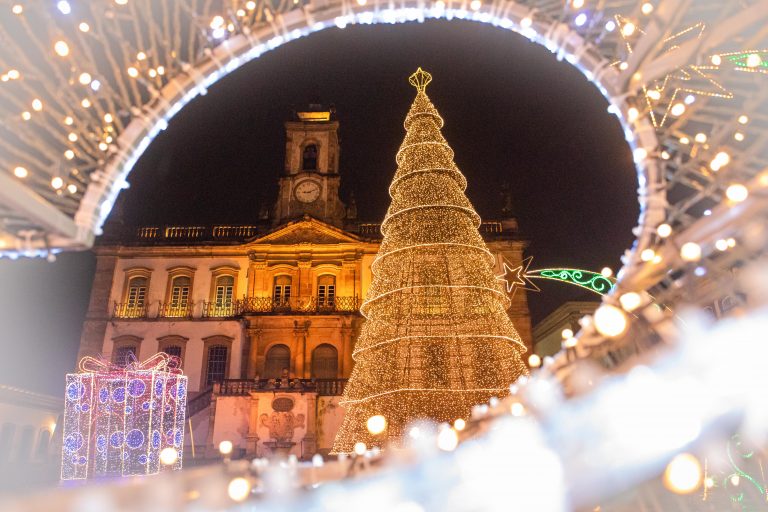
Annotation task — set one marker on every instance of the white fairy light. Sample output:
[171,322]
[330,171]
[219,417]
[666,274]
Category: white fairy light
[239,489]
[630,301]
[683,474]
[84,27]
[84,78]
[647,254]
[736,192]
[169,456]
[37,105]
[21,172]
[57,182]
[690,252]
[360,448]
[61,48]
[447,439]
[459,424]
[225,447]
[63,7]
[610,321]
[72,189]
[677,109]
[664,230]
[376,424]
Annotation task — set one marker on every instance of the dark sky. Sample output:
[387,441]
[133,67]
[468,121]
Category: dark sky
[513,114]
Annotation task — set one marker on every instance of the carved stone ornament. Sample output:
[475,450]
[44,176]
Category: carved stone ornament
[282,422]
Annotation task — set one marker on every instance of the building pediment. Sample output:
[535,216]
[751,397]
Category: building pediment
[306,230]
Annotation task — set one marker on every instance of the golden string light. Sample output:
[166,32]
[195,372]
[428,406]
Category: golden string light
[437,338]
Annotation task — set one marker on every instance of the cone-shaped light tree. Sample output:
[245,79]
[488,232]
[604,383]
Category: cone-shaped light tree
[437,339]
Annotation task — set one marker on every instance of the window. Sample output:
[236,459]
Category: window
[326,290]
[172,345]
[216,369]
[325,362]
[225,286]
[309,158]
[180,287]
[137,292]
[124,355]
[282,292]
[278,358]
[42,445]
[25,445]
[173,350]
[6,441]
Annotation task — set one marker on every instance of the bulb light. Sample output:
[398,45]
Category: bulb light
[647,254]
[570,342]
[20,172]
[610,321]
[459,425]
[647,8]
[716,60]
[743,119]
[690,252]
[225,447]
[580,20]
[84,78]
[17,9]
[577,4]
[447,439]
[169,456]
[701,138]
[739,136]
[534,360]
[517,409]
[69,154]
[677,109]
[736,193]
[606,272]
[26,116]
[630,301]
[376,424]
[664,230]
[61,48]
[721,245]
[84,27]
[360,448]
[475,5]
[567,333]
[133,72]
[239,489]
[57,182]
[628,29]
[683,474]
[63,7]
[632,114]
[37,105]
[753,60]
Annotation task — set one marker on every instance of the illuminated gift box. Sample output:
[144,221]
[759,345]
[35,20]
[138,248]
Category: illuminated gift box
[117,420]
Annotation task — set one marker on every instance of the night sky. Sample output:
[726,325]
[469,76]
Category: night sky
[513,114]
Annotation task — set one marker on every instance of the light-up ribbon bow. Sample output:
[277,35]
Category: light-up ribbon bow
[159,362]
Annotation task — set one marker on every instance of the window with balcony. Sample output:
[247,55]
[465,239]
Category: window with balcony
[309,158]
[278,358]
[326,291]
[135,290]
[178,296]
[216,370]
[225,286]
[281,295]
[325,362]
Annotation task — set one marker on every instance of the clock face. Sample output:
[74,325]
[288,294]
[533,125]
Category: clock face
[307,191]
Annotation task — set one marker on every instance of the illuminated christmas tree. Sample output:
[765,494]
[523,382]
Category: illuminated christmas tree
[437,339]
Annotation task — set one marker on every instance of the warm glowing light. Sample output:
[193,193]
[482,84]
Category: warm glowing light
[84,78]
[577,4]
[723,158]
[628,29]
[72,189]
[72,137]
[152,73]
[606,272]
[753,60]
[57,182]
[14,74]
[17,9]
[217,22]
[37,105]
[654,94]
[475,5]
[61,48]
[68,121]
[701,138]
[623,66]
[250,5]
[736,193]
[239,488]
[721,245]
[570,342]
[685,140]
[376,424]
[647,254]
[656,259]
[517,409]
[225,447]
[103,146]
[84,27]
[526,22]
[731,242]
[739,136]
[610,321]
[534,360]
[743,119]
[133,72]
[169,456]
[360,448]
[121,2]
[20,172]
[160,70]
[632,114]
[459,425]
[108,118]
[664,230]
[677,109]
[716,60]
[630,301]
[86,103]
[69,154]
[26,116]
[647,8]
[690,251]
[447,439]
[683,474]
[63,7]
[610,26]
[567,333]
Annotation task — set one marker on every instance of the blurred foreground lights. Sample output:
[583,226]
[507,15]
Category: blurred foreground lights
[61,48]
[628,29]
[133,72]
[475,5]
[678,109]
[683,474]
[526,22]
[647,8]
[580,19]
[517,409]
[690,252]
[567,333]
[84,78]
[743,119]
[169,456]
[84,27]
[225,447]
[317,460]
[647,254]
[610,321]
[632,114]
[376,424]
[577,4]
[753,60]
[447,439]
[72,188]
[630,301]
[534,360]
[606,272]
[459,425]
[721,245]
[736,193]
[17,9]
[570,342]
[664,230]
[701,138]
[239,489]
[360,448]
[57,182]
[20,172]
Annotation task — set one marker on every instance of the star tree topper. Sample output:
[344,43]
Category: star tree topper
[515,277]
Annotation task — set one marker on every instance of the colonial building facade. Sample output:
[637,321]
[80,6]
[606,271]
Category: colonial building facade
[264,316]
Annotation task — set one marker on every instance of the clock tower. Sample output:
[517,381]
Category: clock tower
[310,181]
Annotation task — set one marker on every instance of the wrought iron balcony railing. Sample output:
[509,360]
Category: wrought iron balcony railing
[221,310]
[175,310]
[129,310]
[241,387]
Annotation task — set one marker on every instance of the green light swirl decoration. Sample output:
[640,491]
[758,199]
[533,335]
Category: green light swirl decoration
[592,281]
[731,481]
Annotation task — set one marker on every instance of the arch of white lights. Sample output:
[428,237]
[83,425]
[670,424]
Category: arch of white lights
[558,37]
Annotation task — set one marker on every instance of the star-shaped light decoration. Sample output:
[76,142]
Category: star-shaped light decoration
[515,277]
[751,61]
[689,78]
